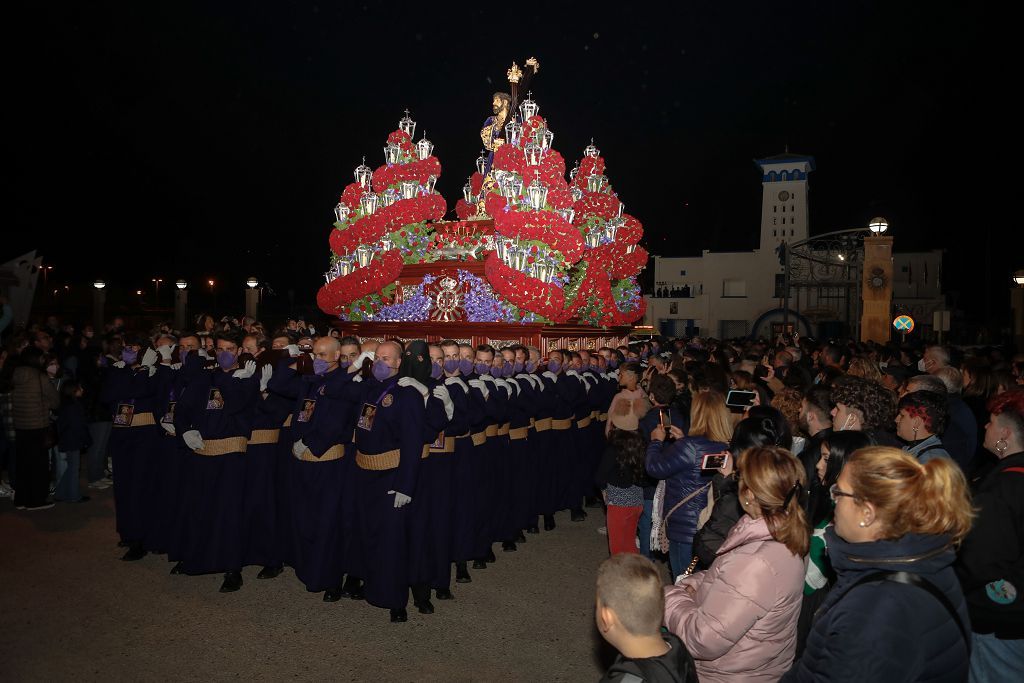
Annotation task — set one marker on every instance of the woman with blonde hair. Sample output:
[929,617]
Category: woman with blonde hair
[866,368]
[738,619]
[676,459]
[897,612]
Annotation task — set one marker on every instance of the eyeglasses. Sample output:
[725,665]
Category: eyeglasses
[835,492]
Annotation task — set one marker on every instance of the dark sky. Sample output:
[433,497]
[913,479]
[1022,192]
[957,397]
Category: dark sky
[187,140]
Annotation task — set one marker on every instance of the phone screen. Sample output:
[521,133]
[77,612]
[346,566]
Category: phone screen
[740,399]
[715,461]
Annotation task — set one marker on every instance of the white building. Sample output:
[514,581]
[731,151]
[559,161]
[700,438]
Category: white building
[735,294]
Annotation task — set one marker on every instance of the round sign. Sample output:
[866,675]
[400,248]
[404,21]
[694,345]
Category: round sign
[903,323]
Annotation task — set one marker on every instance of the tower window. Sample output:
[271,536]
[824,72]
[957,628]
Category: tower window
[791,208]
[775,233]
[783,208]
[783,221]
[775,209]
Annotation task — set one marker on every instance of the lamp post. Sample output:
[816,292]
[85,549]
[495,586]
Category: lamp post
[1017,304]
[99,298]
[180,305]
[252,298]
[157,281]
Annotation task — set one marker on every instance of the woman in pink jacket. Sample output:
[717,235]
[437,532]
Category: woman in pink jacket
[738,619]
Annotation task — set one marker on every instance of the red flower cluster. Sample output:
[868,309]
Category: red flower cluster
[386,220]
[464,210]
[387,176]
[628,265]
[476,182]
[595,204]
[542,226]
[351,195]
[334,295]
[524,292]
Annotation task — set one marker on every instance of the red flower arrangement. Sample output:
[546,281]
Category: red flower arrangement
[351,195]
[464,210]
[387,176]
[595,204]
[334,295]
[476,182]
[386,220]
[524,292]
[541,226]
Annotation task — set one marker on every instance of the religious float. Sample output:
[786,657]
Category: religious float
[534,258]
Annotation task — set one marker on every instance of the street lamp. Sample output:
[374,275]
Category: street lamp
[46,271]
[99,284]
[252,282]
[878,225]
[1017,306]
[180,304]
[181,284]
[99,298]
[252,298]
[158,280]
[1018,278]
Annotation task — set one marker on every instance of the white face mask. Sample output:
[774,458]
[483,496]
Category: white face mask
[920,365]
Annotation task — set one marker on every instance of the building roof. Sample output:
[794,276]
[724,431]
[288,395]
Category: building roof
[785,157]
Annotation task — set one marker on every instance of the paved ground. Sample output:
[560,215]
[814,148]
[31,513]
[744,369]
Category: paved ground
[69,608]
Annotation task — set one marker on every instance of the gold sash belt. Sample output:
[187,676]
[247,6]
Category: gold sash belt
[264,436]
[232,444]
[387,460]
[335,452]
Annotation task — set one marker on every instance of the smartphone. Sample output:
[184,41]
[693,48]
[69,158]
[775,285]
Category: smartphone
[665,418]
[715,461]
[740,399]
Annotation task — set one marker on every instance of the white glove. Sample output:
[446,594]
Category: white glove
[357,378]
[265,374]
[479,385]
[586,384]
[614,374]
[203,354]
[119,364]
[457,380]
[528,378]
[312,330]
[511,381]
[401,499]
[150,358]
[175,366]
[293,350]
[572,372]
[410,382]
[298,448]
[168,427]
[165,352]
[246,372]
[357,364]
[193,439]
[552,376]
[487,378]
[446,398]
[504,385]
[151,368]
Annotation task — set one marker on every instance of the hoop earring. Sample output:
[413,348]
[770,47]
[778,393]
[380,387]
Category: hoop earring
[915,433]
[1001,446]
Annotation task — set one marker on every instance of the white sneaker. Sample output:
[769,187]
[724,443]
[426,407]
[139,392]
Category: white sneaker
[6,491]
[107,480]
[99,485]
[603,530]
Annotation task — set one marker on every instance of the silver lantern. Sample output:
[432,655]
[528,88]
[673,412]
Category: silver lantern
[409,188]
[431,181]
[590,150]
[544,138]
[467,192]
[513,133]
[543,271]
[386,243]
[577,193]
[424,148]
[517,186]
[341,212]
[533,153]
[481,163]
[593,239]
[388,197]
[528,108]
[363,255]
[537,193]
[499,248]
[568,214]
[622,207]
[593,183]
[407,125]
[630,249]
[499,177]
[392,153]
[363,174]
[368,203]
[611,228]
[574,171]
[345,265]
[519,260]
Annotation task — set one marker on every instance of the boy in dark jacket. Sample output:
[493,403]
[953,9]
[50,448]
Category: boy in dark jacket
[72,439]
[630,608]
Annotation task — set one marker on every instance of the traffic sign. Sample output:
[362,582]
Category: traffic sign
[903,323]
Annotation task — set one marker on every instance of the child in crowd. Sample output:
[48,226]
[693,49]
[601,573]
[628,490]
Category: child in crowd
[619,476]
[72,439]
[629,610]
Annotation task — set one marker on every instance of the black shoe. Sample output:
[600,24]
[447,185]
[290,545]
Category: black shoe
[232,582]
[424,607]
[462,574]
[578,515]
[592,502]
[444,594]
[533,530]
[178,568]
[549,522]
[332,595]
[399,616]
[490,555]
[270,572]
[353,588]
[521,538]
[479,564]
[508,547]
[135,553]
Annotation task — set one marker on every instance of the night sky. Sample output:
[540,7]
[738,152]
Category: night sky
[214,140]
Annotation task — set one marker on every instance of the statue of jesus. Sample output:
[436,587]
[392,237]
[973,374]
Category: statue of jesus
[493,132]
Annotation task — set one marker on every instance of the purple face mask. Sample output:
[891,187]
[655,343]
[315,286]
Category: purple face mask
[129,356]
[381,370]
[344,364]
[465,366]
[320,366]
[496,371]
[507,370]
[482,368]
[530,366]
[436,371]
[517,367]
[451,365]
[613,363]
[225,359]
[554,366]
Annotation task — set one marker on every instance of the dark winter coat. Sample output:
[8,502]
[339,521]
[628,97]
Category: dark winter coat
[675,666]
[886,631]
[678,463]
[72,427]
[724,515]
